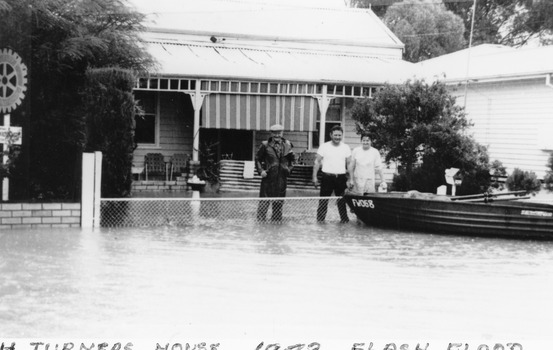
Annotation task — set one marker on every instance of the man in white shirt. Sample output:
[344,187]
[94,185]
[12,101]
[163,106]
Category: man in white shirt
[334,156]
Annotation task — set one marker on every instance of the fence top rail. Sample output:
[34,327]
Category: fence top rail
[218,199]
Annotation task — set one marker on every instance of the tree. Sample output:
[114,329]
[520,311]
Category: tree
[507,22]
[379,7]
[109,114]
[427,29]
[420,126]
[60,40]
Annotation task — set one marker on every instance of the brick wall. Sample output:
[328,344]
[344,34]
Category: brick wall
[159,186]
[36,215]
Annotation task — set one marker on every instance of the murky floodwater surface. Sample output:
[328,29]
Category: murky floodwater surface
[329,280]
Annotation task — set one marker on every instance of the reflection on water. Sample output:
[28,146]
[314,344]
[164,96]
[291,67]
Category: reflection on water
[345,281]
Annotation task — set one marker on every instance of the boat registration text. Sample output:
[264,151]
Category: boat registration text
[363,203]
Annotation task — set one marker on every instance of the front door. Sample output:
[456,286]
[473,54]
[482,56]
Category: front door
[227,143]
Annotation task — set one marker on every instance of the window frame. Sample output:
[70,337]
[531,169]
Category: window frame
[156,116]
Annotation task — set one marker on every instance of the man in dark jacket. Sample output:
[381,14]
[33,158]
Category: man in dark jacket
[273,160]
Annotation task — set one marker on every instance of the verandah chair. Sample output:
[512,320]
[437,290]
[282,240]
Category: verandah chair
[179,164]
[154,164]
[307,158]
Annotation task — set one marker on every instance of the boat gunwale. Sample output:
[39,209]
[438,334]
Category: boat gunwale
[457,217]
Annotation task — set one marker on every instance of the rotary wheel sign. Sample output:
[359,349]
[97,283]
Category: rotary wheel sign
[13,80]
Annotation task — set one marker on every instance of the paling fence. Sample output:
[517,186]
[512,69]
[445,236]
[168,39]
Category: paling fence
[136,212]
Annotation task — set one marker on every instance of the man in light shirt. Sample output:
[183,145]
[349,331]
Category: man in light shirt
[334,157]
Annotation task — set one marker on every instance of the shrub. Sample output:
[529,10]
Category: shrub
[110,110]
[523,180]
[12,152]
[209,165]
[548,179]
[497,171]
[420,126]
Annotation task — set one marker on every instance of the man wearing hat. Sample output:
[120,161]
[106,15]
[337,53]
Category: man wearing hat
[273,160]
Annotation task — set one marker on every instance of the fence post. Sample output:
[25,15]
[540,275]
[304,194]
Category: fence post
[91,189]
[87,190]
[97,187]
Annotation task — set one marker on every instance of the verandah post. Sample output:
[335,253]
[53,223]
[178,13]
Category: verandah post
[324,101]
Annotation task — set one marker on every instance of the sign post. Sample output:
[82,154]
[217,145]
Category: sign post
[13,80]
[8,135]
[5,181]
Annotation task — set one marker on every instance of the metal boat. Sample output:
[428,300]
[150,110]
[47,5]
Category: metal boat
[497,215]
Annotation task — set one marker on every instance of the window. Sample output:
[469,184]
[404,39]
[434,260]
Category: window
[146,124]
[333,118]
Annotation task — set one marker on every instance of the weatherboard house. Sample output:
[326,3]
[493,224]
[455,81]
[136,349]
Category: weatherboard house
[224,77]
[508,96]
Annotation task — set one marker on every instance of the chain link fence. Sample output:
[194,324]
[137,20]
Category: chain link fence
[137,212]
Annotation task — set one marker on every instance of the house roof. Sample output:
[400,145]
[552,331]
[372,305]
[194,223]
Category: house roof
[224,62]
[489,62]
[280,22]
[257,41]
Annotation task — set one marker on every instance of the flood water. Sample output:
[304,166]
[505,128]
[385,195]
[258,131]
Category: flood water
[261,282]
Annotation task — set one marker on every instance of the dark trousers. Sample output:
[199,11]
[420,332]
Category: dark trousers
[271,186]
[264,207]
[333,183]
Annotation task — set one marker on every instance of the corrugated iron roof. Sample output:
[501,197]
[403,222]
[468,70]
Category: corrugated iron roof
[233,62]
[261,41]
[489,62]
[282,22]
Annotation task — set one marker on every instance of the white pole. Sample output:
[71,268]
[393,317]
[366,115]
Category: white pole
[87,190]
[5,147]
[97,187]
[468,52]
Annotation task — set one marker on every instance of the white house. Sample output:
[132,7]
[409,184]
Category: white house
[226,74]
[508,95]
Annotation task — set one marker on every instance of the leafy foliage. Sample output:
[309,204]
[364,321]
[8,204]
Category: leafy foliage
[507,22]
[420,126]
[210,167]
[523,180]
[109,112]
[426,28]
[379,7]
[548,179]
[12,152]
[60,40]
[497,171]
